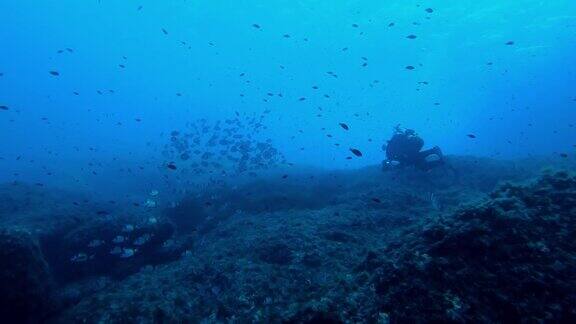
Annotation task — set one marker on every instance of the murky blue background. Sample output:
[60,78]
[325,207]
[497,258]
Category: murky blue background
[518,99]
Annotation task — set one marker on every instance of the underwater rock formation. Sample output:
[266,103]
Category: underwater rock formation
[335,246]
[115,248]
[76,236]
[510,259]
[25,283]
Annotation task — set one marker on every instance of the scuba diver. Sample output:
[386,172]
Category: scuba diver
[404,149]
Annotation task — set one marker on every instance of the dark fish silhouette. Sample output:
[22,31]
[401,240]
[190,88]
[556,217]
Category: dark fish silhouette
[356,152]
[471,135]
[344,126]
[54,73]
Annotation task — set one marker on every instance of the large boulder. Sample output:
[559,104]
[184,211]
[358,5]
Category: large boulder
[510,259]
[25,283]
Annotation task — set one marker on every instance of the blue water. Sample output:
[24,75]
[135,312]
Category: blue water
[500,70]
[219,161]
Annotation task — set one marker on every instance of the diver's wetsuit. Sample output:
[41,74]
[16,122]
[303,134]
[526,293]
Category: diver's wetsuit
[404,147]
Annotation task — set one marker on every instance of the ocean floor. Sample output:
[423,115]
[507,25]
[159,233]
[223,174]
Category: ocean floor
[482,241]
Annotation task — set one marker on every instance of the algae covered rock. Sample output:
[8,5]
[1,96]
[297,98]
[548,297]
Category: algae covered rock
[507,258]
[278,253]
[25,283]
[511,259]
